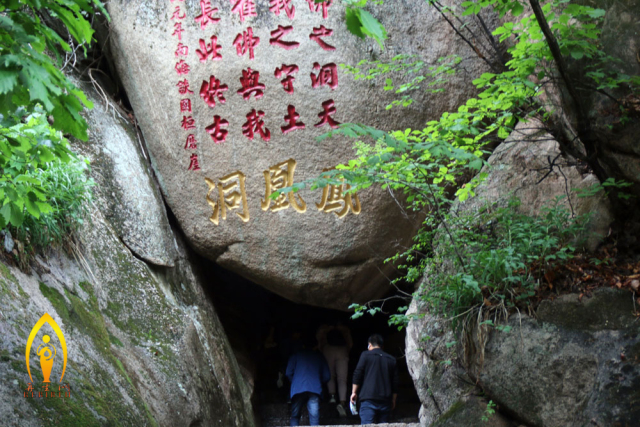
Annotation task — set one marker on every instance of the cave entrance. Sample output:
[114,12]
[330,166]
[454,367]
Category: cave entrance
[258,321]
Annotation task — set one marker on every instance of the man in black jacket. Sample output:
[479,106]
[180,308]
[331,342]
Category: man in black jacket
[377,378]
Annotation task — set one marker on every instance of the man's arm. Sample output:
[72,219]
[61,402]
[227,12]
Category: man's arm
[394,387]
[358,376]
[326,373]
[354,393]
[291,367]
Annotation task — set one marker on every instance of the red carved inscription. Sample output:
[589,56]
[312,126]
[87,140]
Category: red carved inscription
[177,30]
[287,71]
[176,14]
[276,6]
[211,90]
[245,42]
[329,110]
[191,143]
[276,38]
[182,50]
[188,123]
[327,76]
[182,68]
[317,35]
[206,14]
[314,7]
[255,124]
[218,134]
[209,51]
[183,87]
[193,163]
[244,8]
[250,81]
[185,105]
[291,119]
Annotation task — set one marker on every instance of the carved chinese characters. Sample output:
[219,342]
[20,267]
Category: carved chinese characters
[214,93]
[231,196]
[247,116]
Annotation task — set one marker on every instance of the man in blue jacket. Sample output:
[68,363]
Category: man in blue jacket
[376,378]
[307,370]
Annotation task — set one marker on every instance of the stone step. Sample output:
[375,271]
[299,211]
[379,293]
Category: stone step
[376,425]
[277,414]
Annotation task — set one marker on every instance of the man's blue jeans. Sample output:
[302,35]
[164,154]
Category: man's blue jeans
[373,412]
[313,406]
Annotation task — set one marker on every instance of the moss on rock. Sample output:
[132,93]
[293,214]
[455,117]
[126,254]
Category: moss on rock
[98,387]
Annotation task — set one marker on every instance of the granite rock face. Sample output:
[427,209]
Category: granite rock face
[313,257]
[145,346]
[448,395]
[134,206]
[576,363]
[529,165]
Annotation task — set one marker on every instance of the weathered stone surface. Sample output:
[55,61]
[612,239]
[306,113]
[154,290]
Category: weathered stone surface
[431,358]
[578,363]
[134,206]
[620,153]
[145,346]
[314,257]
[448,395]
[560,374]
[470,411]
[517,167]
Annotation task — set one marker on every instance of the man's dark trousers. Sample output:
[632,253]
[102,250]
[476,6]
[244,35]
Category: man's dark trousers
[374,411]
[313,406]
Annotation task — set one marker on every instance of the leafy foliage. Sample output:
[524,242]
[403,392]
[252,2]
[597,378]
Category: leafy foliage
[28,76]
[409,66]
[68,188]
[362,23]
[503,266]
[502,262]
[43,188]
[27,144]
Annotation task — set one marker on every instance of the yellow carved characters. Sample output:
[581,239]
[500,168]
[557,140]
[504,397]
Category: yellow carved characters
[278,177]
[231,194]
[336,199]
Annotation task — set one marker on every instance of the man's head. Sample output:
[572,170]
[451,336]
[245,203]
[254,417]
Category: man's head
[308,341]
[375,341]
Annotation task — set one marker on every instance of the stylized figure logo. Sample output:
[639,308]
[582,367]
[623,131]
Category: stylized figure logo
[46,351]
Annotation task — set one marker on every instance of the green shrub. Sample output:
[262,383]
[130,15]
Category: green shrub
[497,257]
[68,190]
[44,191]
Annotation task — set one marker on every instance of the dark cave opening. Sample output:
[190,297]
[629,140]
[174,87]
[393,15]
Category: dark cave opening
[257,323]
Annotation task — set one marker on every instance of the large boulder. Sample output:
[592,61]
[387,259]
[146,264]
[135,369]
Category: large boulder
[576,364]
[448,395]
[133,204]
[530,166]
[314,257]
[145,346]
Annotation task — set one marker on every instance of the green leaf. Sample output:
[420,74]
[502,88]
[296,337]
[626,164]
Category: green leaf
[372,27]
[517,9]
[8,79]
[577,54]
[32,208]
[16,216]
[353,22]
